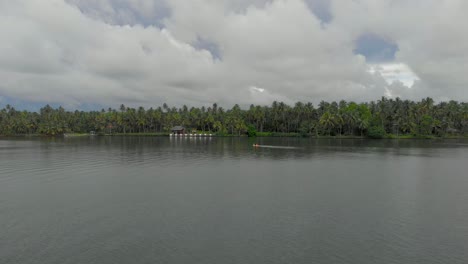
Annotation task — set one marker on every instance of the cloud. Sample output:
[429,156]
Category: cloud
[256,89]
[146,52]
[125,12]
[429,34]
[395,72]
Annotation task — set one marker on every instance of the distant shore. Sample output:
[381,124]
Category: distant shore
[382,119]
[259,135]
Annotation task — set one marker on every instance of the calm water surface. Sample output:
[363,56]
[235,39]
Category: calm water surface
[159,200]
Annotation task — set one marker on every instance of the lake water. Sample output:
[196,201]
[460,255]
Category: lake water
[219,200]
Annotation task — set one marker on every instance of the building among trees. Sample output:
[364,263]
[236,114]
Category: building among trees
[178,130]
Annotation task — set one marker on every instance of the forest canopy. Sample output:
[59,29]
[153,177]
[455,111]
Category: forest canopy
[373,119]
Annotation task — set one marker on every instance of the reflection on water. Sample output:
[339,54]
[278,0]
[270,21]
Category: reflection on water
[221,200]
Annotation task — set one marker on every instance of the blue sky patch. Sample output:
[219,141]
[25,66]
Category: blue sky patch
[205,44]
[321,9]
[375,48]
[123,13]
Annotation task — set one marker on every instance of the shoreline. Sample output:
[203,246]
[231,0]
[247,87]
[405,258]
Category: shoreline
[269,135]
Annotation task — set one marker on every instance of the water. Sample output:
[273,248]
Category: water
[220,200]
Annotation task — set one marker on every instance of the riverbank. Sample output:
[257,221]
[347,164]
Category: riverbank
[259,135]
[274,134]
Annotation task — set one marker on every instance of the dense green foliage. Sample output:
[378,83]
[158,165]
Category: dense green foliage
[386,116]
[376,132]
[251,131]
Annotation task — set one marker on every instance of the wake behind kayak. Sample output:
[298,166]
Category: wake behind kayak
[273,147]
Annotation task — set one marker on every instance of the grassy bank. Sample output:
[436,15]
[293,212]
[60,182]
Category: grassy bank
[410,136]
[158,134]
[387,136]
[259,134]
[76,135]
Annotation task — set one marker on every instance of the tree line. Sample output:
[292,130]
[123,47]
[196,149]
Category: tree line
[374,119]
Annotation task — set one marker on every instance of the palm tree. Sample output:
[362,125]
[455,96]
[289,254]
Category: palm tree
[327,121]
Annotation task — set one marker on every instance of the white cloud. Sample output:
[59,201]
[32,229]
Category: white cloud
[53,51]
[256,89]
[393,72]
[122,12]
[430,34]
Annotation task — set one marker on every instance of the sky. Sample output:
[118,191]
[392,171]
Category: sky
[96,54]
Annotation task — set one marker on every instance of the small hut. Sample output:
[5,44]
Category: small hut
[178,130]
